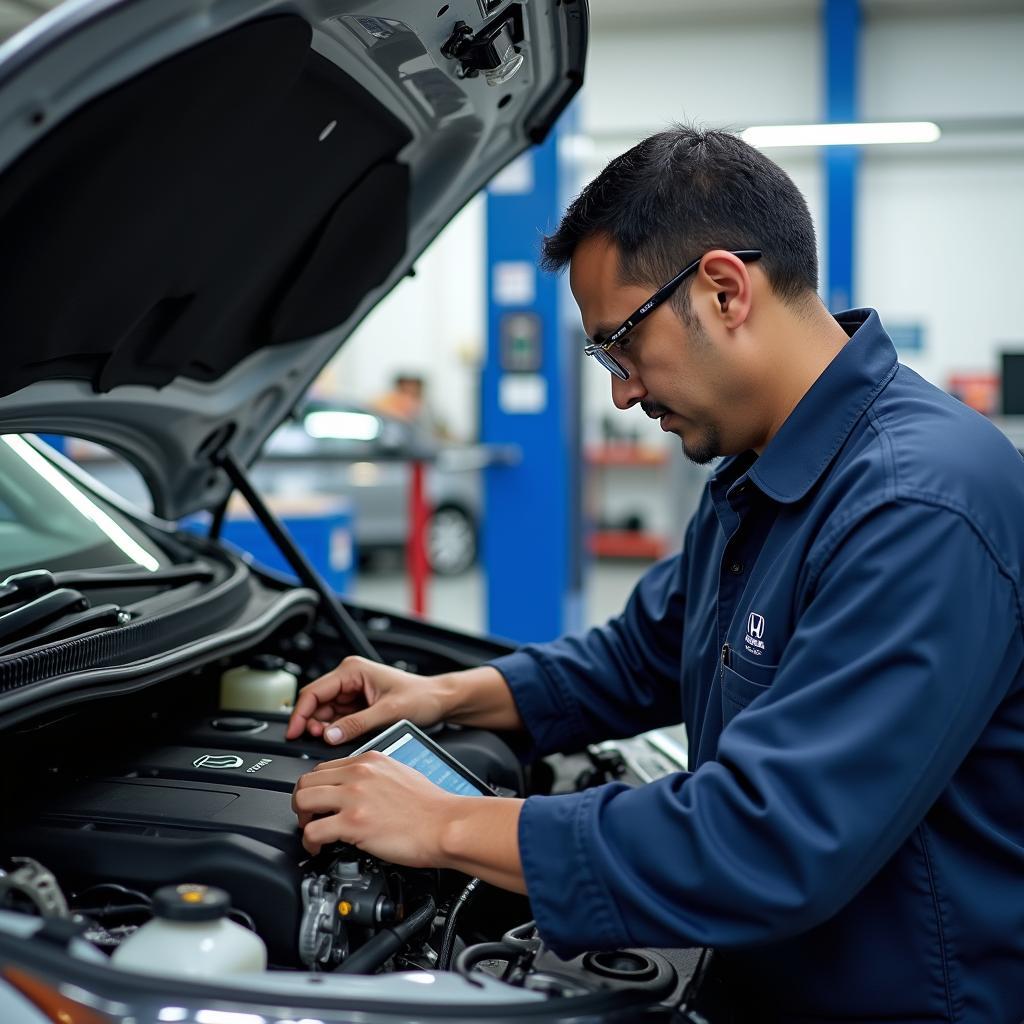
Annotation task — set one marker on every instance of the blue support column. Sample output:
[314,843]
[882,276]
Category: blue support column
[531,536]
[841,25]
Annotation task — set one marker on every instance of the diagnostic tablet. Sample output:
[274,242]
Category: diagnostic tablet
[405,743]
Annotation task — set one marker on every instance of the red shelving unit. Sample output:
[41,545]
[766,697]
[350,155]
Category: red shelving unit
[626,543]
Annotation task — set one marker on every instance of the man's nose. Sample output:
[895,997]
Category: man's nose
[626,393]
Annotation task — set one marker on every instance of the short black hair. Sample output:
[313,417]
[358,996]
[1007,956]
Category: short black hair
[682,192]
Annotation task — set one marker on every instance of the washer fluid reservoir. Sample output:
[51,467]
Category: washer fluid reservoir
[190,935]
[265,683]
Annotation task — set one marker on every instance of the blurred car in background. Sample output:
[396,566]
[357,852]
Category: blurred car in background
[336,450]
[366,456]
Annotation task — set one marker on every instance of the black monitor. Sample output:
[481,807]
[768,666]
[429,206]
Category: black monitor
[1013,384]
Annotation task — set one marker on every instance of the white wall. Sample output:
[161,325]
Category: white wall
[940,246]
[962,64]
[940,227]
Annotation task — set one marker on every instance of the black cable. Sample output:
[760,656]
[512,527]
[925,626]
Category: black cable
[388,941]
[114,910]
[115,887]
[444,957]
[241,917]
[139,903]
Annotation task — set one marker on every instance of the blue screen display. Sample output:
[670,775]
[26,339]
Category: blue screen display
[412,752]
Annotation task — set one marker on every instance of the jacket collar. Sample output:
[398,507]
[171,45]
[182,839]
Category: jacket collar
[817,428]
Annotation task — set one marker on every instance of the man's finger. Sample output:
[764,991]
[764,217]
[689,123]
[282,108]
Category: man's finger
[350,727]
[321,691]
[317,800]
[320,831]
[323,699]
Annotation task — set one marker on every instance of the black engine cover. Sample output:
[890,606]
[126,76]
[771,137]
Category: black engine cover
[205,800]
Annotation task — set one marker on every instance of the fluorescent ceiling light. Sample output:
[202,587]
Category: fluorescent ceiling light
[864,134]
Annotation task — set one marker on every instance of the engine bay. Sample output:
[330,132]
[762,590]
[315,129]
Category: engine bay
[109,801]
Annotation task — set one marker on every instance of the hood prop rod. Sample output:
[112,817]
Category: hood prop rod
[348,629]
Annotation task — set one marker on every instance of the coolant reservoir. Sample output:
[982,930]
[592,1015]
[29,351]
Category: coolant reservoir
[191,936]
[264,684]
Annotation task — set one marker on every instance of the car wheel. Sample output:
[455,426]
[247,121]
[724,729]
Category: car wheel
[451,540]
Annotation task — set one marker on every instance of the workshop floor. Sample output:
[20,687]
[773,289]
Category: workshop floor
[460,602]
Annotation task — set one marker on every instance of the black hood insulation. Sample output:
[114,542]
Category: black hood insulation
[241,194]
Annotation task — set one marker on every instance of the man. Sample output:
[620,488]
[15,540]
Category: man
[841,635]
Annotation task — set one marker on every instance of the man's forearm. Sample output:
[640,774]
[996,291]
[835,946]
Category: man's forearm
[481,838]
[479,697]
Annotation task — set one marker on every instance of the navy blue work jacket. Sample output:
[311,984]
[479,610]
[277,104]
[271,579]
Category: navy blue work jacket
[842,635]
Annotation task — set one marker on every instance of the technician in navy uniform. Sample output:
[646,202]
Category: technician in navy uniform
[841,635]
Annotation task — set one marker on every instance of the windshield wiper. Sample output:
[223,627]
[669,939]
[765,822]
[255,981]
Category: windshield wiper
[102,617]
[24,586]
[131,576]
[48,607]
[37,611]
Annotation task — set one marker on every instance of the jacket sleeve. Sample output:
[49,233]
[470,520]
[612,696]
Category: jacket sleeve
[614,680]
[897,663]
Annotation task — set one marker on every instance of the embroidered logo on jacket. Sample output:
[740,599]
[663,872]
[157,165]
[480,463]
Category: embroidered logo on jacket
[755,631]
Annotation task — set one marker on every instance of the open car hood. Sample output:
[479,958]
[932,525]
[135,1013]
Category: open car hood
[201,199]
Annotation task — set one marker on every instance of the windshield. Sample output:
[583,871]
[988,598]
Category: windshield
[47,521]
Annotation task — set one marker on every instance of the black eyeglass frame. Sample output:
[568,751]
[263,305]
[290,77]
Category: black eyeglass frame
[599,349]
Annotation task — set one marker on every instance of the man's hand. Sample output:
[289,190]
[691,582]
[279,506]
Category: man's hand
[391,811]
[373,801]
[360,696]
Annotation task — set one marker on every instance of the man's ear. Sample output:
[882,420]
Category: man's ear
[725,282]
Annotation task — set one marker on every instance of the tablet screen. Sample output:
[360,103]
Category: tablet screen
[409,750]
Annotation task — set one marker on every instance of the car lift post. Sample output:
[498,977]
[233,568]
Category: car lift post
[417,562]
[841,20]
[532,522]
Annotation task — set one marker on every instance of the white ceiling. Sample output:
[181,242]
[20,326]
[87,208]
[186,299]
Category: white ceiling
[621,14]
[617,15]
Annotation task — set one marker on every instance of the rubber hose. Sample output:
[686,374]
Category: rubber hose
[444,958]
[388,941]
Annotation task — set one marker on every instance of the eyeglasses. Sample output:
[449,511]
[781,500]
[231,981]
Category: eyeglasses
[600,349]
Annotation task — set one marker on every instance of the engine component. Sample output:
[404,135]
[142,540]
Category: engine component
[389,941]
[265,683]
[353,892]
[191,935]
[32,882]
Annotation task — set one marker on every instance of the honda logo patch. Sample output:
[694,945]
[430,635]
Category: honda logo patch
[755,634]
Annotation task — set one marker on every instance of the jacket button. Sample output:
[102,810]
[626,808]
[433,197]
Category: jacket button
[735,568]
